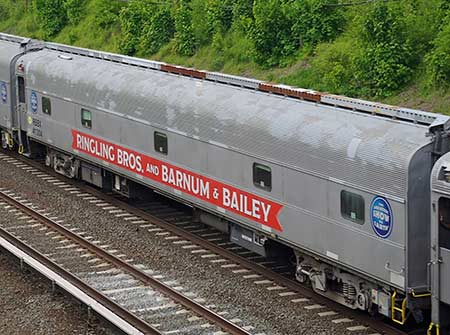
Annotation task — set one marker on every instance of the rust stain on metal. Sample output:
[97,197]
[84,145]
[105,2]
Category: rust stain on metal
[183,71]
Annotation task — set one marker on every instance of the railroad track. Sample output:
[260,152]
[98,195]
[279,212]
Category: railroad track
[129,296]
[175,223]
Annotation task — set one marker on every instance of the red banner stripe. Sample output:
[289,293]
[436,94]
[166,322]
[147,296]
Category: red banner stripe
[206,189]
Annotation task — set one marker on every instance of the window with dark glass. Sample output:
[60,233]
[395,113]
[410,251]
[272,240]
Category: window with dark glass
[46,106]
[444,223]
[86,118]
[262,176]
[352,207]
[444,212]
[21,89]
[160,140]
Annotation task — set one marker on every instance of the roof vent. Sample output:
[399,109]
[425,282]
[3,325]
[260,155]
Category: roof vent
[65,57]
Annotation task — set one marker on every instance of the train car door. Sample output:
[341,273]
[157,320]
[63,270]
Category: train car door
[19,110]
[21,102]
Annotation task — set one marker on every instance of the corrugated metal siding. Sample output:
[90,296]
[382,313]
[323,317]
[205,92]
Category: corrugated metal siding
[7,52]
[437,185]
[296,133]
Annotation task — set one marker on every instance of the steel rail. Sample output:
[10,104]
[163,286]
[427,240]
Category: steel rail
[138,274]
[137,323]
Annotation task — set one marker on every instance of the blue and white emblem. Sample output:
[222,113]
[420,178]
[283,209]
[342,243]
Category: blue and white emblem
[4,92]
[381,217]
[34,102]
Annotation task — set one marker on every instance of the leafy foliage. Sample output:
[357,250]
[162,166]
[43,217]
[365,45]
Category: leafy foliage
[386,63]
[185,43]
[420,26]
[444,8]
[200,27]
[369,50]
[107,12]
[281,27]
[52,16]
[219,15]
[335,66]
[4,10]
[210,18]
[242,9]
[242,15]
[438,60]
[158,31]
[315,21]
[270,32]
[74,9]
[132,19]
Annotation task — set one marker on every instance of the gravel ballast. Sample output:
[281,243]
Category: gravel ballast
[265,310]
[28,305]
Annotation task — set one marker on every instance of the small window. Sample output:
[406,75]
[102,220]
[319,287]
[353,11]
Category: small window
[444,213]
[262,176]
[46,106]
[21,89]
[86,118]
[444,223]
[352,207]
[160,140]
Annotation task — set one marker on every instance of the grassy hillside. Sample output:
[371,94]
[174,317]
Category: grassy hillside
[396,52]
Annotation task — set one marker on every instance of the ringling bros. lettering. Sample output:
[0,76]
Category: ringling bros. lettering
[219,194]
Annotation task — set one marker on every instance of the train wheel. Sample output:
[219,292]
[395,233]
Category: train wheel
[5,142]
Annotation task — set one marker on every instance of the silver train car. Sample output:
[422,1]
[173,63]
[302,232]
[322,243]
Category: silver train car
[342,184]
[440,243]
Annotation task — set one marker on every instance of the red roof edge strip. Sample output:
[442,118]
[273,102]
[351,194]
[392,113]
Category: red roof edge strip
[310,96]
[183,71]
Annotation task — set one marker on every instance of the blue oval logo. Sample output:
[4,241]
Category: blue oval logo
[4,92]
[34,102]
[381,217]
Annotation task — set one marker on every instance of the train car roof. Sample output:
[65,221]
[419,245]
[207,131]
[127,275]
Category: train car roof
[360,150]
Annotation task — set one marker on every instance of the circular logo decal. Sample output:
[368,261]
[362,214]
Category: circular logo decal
[4,92]
[34,102]
[381,217]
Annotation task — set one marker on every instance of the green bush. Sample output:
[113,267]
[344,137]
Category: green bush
[209,18]
[242,9]
[438,60]
[315,21]
[107,12]
[132,20]
[157,31]
[334,66]
[242,16]
[74,9]
[421,19]
[185,43]
[281,27]
[270,32]
[237,49]
[386,62]
[52,16]
[200,27]
[444,8]
[219,15]
[4,11]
